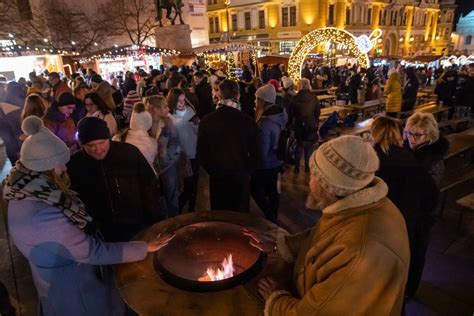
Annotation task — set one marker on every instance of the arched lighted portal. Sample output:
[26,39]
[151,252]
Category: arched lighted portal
[334,35]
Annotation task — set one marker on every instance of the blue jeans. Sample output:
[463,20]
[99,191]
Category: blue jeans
[169,180]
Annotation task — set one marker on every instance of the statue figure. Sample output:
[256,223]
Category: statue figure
[169,5]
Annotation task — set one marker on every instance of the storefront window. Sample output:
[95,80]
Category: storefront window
[286,47]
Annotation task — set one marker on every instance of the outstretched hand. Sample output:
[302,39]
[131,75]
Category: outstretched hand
[266,286]
[159,242]
[262,243]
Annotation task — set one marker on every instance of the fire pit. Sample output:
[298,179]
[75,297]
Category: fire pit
[168,283]
[209,256]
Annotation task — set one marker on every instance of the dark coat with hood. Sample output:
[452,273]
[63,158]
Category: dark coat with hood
[465,92]
[306,116]
[121,192]
[430,156]
[273,120]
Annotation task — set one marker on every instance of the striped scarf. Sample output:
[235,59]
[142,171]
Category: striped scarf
[22,183]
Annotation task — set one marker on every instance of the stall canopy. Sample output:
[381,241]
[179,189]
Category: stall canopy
[225,47]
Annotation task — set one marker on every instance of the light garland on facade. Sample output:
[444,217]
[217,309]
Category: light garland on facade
[325,35]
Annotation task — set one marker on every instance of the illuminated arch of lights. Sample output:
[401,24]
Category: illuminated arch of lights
[357,47]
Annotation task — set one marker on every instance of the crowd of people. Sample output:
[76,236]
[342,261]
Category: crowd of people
[95,162]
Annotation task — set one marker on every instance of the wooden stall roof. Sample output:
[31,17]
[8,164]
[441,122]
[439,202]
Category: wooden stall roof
[225,47]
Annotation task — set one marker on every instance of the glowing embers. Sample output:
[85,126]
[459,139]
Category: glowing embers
[218,274]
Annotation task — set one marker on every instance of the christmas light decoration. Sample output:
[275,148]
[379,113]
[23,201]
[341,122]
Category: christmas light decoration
[356,47]
[231,66]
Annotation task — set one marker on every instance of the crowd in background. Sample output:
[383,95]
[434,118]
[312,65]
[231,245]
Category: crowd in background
[137,141]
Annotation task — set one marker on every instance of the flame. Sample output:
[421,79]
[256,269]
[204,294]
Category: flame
[218,274]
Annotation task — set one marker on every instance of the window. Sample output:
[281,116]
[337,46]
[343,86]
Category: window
[384,17]
[234,22]
[248,25]
[369,16]
[331,14]
[211,25]
[284,17]
[468,40]
[211,2]
[405,18]
[25,9]
[216,24]
[261,19]
[286,48]
[348,16]
[380,17]
[424,19]
[391,18]
[293,16]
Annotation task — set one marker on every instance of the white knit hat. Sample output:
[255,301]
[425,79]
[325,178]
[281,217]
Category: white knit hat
[41,150]
[141,121]
[287,82]
[266,93]
[344,165]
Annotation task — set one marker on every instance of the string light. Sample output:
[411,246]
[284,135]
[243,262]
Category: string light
[321,36]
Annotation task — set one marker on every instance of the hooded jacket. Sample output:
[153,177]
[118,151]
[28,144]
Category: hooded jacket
[353,262]
[306,116]
[273,120]
[393,92]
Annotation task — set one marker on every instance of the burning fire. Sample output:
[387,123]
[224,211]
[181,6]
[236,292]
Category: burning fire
[218,274]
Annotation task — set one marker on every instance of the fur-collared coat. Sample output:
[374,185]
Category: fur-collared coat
[353,262]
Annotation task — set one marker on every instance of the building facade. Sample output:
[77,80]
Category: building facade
[463,39]
[409,28]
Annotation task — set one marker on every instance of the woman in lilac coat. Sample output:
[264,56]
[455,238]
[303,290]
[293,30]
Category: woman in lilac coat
[50,227]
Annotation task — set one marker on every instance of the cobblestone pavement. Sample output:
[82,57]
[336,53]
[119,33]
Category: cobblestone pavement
[448,279]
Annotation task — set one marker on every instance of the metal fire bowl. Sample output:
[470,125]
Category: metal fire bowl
[205,244]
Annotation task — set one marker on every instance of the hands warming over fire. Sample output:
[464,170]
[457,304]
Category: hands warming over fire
[266,286]
[159,242]
[262,243]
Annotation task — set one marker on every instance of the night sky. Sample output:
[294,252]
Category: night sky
[464,7]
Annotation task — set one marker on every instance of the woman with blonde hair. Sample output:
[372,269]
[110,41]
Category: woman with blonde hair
[421,136]
[166,134]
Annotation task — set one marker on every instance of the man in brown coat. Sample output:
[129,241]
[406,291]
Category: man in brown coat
[355,260]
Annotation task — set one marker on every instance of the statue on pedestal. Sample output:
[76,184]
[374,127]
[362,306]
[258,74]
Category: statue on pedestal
[170,6]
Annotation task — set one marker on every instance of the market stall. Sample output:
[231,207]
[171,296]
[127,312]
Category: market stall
[124,58]
[229,57]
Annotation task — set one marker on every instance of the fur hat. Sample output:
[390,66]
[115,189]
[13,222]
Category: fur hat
[287,82]
[141,119]
[344,165]
[41,150]
[92,128]
[266,93]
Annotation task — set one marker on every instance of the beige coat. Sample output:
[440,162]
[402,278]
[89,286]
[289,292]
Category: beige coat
[353,262]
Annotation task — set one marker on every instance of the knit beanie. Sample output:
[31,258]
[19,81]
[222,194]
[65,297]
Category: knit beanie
[66,98]
[92,128]
[287,82]
[266,93]
[41,150]
[141,119]
[344,165]
[275,84]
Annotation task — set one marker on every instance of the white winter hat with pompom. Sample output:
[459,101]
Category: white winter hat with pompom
[41,150]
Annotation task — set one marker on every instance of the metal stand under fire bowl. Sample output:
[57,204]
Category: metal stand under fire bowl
[166,283]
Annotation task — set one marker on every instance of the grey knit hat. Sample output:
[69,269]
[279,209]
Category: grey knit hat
[266,93]
[344,165]
[41,150]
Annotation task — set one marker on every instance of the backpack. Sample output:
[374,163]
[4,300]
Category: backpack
[286,146]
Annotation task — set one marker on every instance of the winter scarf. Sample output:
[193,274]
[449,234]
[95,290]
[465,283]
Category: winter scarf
[22,183]
[229,102]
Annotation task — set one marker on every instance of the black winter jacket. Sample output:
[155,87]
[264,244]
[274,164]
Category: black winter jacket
[227,142]
[120,192]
